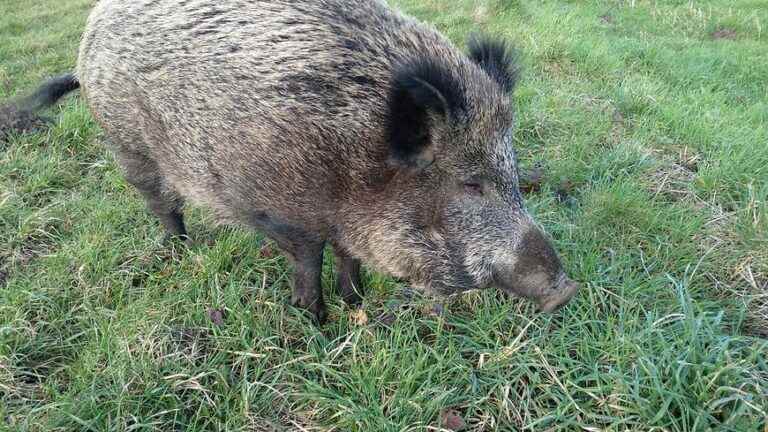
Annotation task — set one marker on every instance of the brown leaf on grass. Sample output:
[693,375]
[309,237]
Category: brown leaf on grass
[451,419]
[724,33]
[216,316]
[266,251]
[359,317]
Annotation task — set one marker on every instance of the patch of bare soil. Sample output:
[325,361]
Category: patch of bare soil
[746,283]
[723,33]
[673,181]
[13,120]
[531,181]
[267,251]
[757,301]
[31,249]
[745,279]
[564,192]
[287,422]
[674,175]
[688,158]
[718,230]
[191,345]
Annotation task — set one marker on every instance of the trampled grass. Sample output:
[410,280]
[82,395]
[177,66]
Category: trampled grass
[650,122]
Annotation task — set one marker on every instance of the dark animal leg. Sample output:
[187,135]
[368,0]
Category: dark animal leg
[173,222]
[307,267]
[165,204]
[305,250]
[348,278]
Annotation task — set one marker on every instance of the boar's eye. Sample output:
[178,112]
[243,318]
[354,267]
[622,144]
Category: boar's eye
[473,188]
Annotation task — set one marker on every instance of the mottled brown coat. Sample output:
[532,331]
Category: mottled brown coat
[320,121]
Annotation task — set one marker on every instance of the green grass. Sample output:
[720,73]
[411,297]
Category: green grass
[650,124]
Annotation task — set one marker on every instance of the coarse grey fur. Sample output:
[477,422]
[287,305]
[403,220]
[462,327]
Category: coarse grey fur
[323,121]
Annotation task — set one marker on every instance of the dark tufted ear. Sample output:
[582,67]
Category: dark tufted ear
[496,58]
[424,91]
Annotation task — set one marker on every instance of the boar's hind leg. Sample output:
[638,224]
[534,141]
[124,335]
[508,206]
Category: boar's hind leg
[165,204]
[348,278]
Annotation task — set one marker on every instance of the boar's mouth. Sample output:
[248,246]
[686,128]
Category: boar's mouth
[548,296]
[551,299]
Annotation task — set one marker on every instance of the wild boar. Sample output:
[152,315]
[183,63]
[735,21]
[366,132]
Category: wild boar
[319,122]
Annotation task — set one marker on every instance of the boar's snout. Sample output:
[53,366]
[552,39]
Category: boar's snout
[536,273]
[561,295]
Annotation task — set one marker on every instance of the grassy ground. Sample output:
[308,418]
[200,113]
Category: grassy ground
[648,120]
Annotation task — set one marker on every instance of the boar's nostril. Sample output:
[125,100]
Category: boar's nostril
[565,292]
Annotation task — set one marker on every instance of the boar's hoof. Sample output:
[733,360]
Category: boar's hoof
[562,296]
[316,308]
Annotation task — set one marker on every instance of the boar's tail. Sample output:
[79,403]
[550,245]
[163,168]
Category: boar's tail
[20,115]
[48,93]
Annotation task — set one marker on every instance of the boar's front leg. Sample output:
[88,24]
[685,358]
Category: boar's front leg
[307,291]
[305,251]
[348,278]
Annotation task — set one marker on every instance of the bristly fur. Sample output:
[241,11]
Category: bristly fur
[497,58]
[419,87]
[286,115]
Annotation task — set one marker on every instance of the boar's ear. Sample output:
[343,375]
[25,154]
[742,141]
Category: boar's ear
[497,59]
[423,92]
